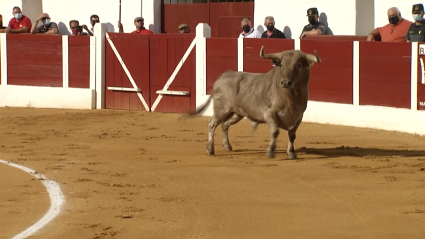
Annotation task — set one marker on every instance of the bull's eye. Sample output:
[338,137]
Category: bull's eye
[299,65]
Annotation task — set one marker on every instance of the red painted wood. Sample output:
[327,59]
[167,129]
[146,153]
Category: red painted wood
[223,17]
[335,38]
[421,97]
[166,53]
[79,61]
[332,79]
[385,74]
[176,14]
[252,62]
[222,55]
[34,60]
[134,50]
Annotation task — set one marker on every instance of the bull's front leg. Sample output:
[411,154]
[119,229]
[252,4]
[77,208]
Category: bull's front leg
[291,139]
[274,132]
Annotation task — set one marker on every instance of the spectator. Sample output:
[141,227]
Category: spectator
[93,20]
[271,32]
[247,31]
[2,28]
[19,23]
[184,28]
[47,26]
[416,32]
[314,27]
[77,30]
[395,31]
[139,22]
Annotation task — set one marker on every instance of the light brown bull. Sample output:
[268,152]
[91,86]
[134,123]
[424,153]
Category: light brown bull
[278,98]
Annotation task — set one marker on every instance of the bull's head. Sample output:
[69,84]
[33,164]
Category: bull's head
[292,67]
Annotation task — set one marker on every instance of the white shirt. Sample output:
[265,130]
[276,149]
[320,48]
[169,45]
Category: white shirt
[251,34]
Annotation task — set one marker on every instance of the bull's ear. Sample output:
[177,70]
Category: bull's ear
[277,61]
[311,59]
[275,57]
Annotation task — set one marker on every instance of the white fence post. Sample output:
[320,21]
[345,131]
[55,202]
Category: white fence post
[3,51]
[203,31]
[414,77]
[100,33]
[240,54]
[65,61]
[356,73]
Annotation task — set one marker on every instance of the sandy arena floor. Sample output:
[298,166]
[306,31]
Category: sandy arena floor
[146,175]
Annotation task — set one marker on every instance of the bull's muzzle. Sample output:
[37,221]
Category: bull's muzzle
[286,83]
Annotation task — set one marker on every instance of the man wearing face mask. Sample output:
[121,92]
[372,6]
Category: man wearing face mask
[395,31]
[416,32]
[271,32]
[19,23]
[315,27]
[2,28]
[93,20]
[247,31]
[77,30]
[47,26]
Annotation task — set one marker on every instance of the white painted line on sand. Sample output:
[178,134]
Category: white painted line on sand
[57,200]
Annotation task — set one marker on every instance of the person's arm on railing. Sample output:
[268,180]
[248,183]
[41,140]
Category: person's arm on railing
[34,28]
[373,34]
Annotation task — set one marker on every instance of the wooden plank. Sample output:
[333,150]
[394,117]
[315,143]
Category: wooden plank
[109,75]
[79,65]
[421,97]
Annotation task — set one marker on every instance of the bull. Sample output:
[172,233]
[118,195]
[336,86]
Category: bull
[277,98]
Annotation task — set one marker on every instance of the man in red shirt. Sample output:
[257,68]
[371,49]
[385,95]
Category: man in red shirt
[395,31]
[20,23]
[139,22]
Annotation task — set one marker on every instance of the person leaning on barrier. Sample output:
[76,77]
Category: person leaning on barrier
[139,22]
[77,30]
[47,26]
[19,23]
[314,27]
[2,28]
[271,32]
[184,28]
[416,32]
[247,30]
[395,31]
[93,20]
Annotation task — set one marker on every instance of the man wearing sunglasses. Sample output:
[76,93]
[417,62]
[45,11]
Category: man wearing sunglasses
[47,27]
[77,30]
[93,20]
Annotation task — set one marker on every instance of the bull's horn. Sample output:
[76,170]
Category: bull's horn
[313,58]
[269,56]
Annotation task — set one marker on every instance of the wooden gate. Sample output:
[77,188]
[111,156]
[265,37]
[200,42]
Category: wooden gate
[224,16]
[150,72]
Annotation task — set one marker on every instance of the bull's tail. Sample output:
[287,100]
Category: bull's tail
[200,108]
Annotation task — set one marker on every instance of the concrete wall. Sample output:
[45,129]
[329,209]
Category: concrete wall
[30,8]
[381,8]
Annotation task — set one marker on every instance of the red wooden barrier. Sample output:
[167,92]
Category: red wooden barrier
[332,79]
[385,74]
[421,87]
[252,62]
[79,62]
[134,50]
[166,51]
[335,38]
[34,60]
[222,55]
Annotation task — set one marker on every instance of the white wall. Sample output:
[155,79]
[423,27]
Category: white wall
[291,15]
[382,6]
[6,8]
[62,11]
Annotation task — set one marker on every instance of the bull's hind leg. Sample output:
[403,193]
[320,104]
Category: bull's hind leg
[213,122]
[291,139]
[233,119]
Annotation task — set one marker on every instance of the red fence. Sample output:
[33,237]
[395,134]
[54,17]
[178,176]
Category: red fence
[151,60]
[385,74]
[37,60]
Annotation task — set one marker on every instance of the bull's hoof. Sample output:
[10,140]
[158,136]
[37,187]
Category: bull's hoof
[292,156]
[228,147]
[210,150]
[270,154]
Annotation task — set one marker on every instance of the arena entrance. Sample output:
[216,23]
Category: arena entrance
[222,15]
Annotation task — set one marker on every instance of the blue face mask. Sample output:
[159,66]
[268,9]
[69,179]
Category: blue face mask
[417,17]
[47,22]
[18,15]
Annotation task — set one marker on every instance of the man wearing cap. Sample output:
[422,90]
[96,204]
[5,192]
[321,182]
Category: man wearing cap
[395,31]
[315,27]
[247,30]
[416,32]
[139,22]
[184,28]
[47,26]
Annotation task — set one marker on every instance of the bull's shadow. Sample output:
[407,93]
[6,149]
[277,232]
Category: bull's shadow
[328,153]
